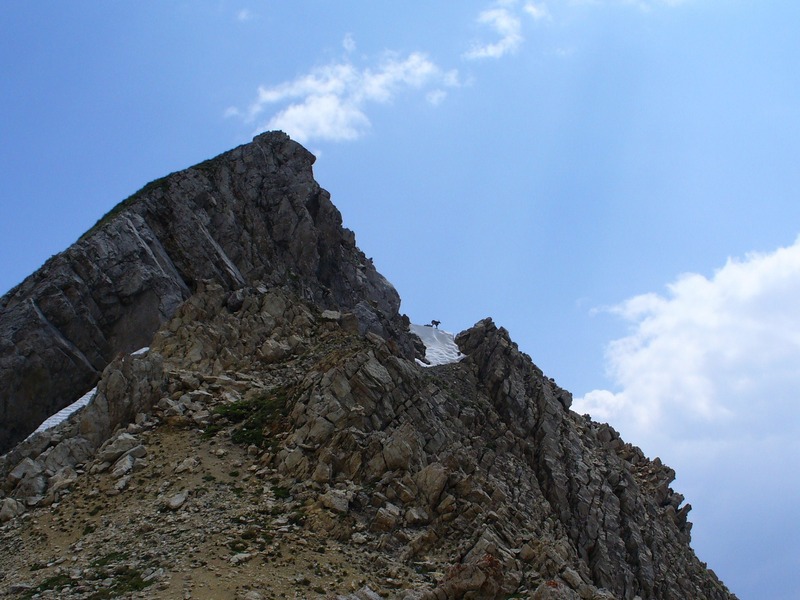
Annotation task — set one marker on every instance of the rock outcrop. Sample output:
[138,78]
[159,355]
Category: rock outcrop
[254,214]
[280,438]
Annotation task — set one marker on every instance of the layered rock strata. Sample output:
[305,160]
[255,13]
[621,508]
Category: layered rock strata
[252,214]
[279,437]
[476,472]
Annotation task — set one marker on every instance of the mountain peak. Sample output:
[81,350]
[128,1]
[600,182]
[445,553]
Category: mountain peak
[251,216]
[280,435]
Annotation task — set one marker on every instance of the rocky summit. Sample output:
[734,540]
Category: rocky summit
[279,435]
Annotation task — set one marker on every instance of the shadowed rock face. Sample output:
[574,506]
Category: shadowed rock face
[251,215]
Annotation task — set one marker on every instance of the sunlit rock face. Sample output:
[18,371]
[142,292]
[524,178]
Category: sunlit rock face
[289,432]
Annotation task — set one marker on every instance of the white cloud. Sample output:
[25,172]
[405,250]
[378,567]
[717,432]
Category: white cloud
[538,11]
[504,18]
[712,359]
[326,117]
[506,24]
[708,380]
[330,102]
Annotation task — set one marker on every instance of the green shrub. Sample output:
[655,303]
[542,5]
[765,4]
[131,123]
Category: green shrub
[257,417]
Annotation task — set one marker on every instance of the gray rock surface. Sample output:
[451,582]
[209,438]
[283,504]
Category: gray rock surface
[253,214]
[301,421]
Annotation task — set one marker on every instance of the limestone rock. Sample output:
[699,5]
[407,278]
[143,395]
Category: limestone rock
[336,500]
[252,214]
[175,501]
[386,518]
[118,446]
[365,593]
[9,509]
[188,464]
[27,467]
[123,466]
[280,391]
[62,479]
[68,453]
[431,481]
[553,590]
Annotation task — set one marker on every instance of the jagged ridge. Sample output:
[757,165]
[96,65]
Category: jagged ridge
[479,463]
[468,480]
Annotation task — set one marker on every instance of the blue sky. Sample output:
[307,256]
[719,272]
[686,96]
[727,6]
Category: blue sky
[613,181]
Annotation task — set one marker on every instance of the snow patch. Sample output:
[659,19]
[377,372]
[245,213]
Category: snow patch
[440,345]
[64,413]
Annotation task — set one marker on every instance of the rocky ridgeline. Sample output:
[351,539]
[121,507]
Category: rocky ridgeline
[252,214]
[270,447]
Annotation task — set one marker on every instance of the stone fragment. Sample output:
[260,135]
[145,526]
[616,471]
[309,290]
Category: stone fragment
[386,518]
[9,509]
[322,472]
[417,516]
[123,466]
[68,453]
[526,553]
[239,558]
[122,483]
[116,447]
[571,577]
[31,487]
[137,451]
[187,464]
[447,505]
[273,351]
[364,593]
[27,467]
[336,500]
[62,479]
[175,501]
[554,590]
[430,481]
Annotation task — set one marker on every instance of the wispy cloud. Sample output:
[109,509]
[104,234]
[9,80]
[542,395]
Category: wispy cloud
[244,15]
[504,21]
[714,358]
[537,10]
[506,18]
[349,43]
[330,102]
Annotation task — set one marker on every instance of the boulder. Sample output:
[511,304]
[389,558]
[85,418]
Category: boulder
[9,509]
[116,447]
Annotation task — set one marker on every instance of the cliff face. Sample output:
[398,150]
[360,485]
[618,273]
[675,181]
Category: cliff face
[269,445]
[254,214]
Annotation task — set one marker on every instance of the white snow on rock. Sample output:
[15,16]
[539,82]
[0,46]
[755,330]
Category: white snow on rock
[440,345]
[64,413]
